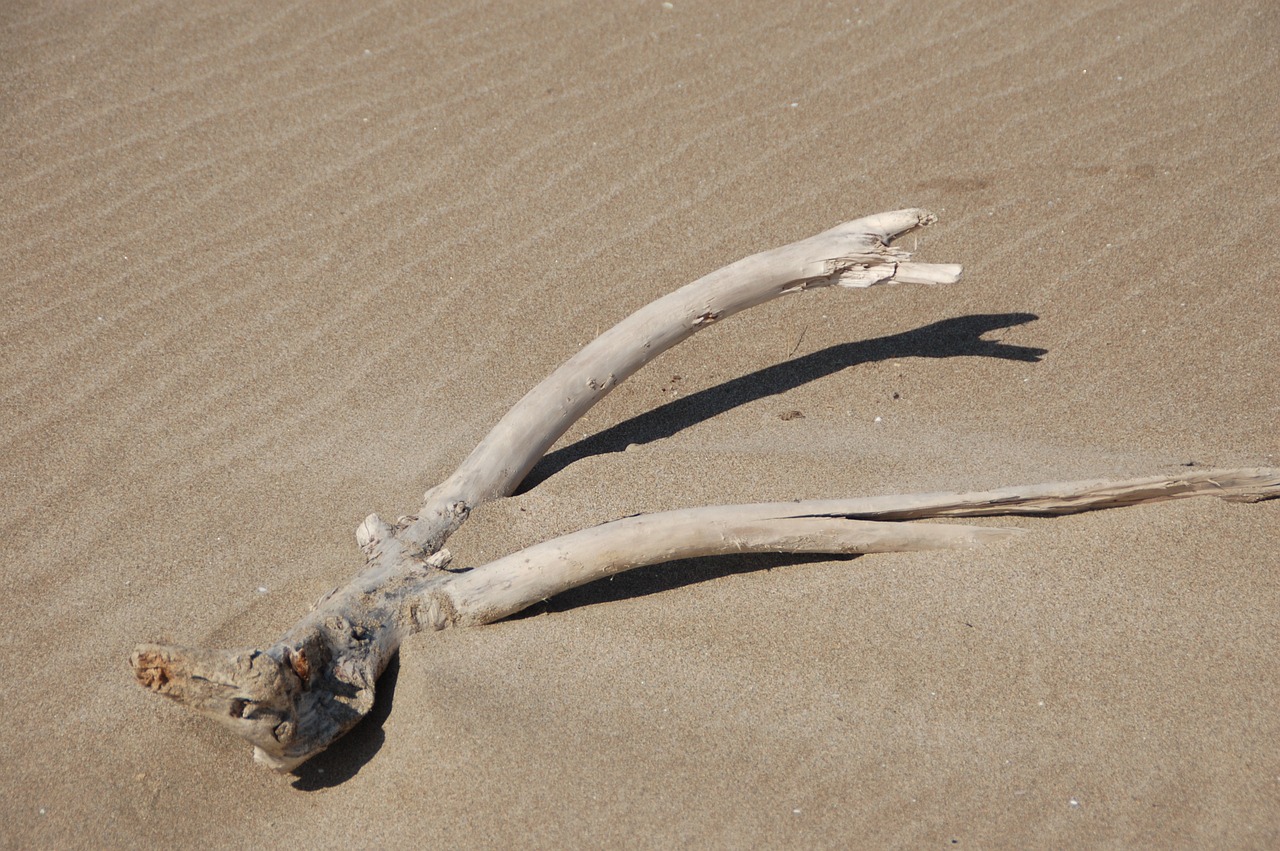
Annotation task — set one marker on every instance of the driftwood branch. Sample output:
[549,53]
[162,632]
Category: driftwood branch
[293,699]
[868,525]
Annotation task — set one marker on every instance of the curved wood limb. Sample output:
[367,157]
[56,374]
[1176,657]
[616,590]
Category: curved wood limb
[855,254]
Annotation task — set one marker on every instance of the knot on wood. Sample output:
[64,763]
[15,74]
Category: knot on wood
[372,531]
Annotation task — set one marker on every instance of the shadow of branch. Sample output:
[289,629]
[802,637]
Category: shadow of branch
[950,338]
[658,578]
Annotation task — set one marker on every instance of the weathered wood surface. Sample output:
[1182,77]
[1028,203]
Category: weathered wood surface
[293,699]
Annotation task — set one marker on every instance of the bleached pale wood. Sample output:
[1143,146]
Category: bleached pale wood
[504,587]
[868,525]
[855,254]
[293,699]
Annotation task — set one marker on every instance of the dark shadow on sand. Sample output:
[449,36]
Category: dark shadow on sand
[352,752]
[950,338]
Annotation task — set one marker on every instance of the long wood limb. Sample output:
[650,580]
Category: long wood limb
[503,587]
[854,254]
[1054,498]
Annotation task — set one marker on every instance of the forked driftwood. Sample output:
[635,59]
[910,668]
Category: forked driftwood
[293,699]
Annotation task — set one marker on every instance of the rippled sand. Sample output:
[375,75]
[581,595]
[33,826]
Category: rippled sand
[268,268]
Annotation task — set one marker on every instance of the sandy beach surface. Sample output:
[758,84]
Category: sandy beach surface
[270,267]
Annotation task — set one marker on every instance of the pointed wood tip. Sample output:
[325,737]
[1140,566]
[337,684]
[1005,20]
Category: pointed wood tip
[928,273]
[885,227]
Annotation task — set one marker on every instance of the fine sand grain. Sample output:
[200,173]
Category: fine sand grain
[267,268]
